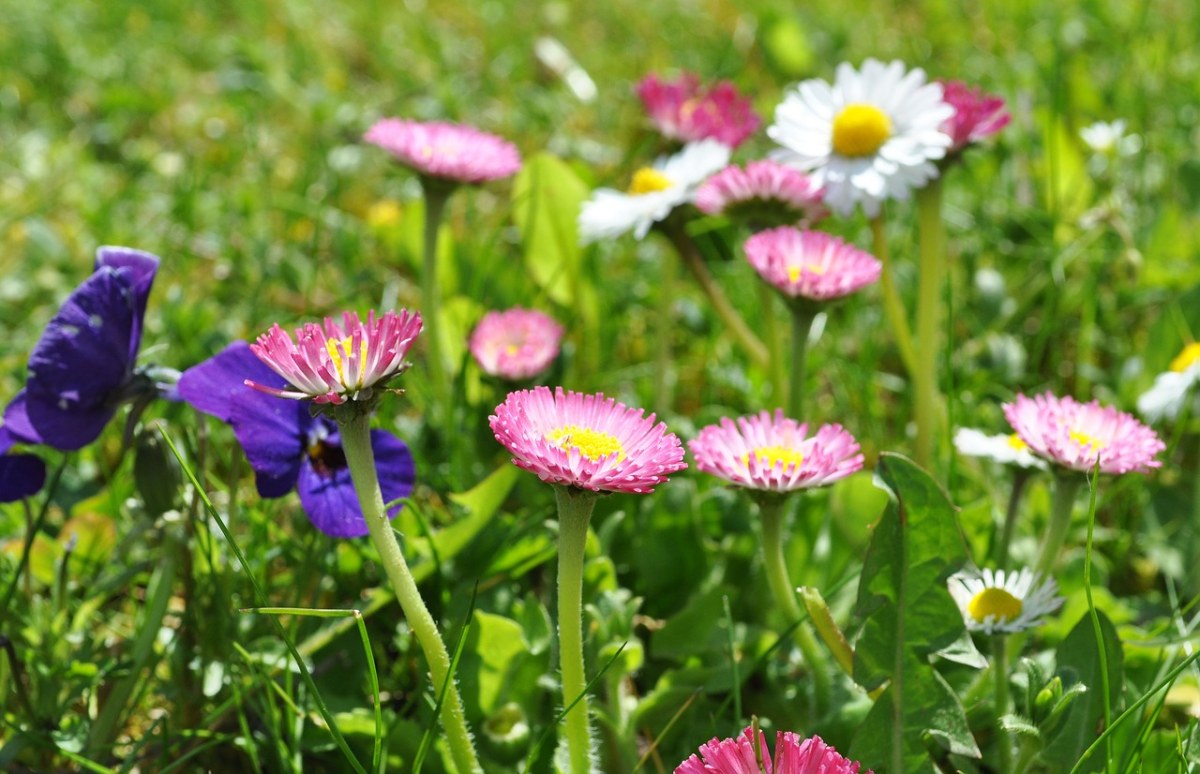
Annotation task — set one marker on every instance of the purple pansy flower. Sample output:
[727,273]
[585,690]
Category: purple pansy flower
[21,475]
[82,367]
[287,447]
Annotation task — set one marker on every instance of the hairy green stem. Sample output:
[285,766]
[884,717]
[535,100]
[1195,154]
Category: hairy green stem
[775,346]
[893,306]
[802,320]
[932,249]
[1066,486]
[360,458]
[574,511]
[1000,700]
[664,321]
[1020,479]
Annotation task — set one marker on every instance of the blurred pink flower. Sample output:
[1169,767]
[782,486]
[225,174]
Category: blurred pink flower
[764,190]
[682,110]
[335,363]
[810,264]
[448,151]
[772,453]
[792,756]
[586,441]
[977,116]
[515,344]
[1075,435]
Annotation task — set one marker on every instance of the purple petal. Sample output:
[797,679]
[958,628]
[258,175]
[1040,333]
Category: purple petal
[210,385]
[21,475]
[327,492]
[16,422]
[139,268]
[272,432]
[394,466]
[66,430]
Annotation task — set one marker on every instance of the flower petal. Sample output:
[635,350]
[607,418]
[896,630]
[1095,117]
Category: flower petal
[271,432]
[210,385]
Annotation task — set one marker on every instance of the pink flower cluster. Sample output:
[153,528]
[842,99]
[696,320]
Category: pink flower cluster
[763,186]
[792,756]
[683,110]
[810,264]
[515,344]
[977,116]
[447,151]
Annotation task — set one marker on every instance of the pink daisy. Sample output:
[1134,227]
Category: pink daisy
[586,441]
[515,344]
[792,756]
[1075,435]
[977,116]
[810,264]
[682,110]
[443,150]
[764,190]
[335,363]
[773,453]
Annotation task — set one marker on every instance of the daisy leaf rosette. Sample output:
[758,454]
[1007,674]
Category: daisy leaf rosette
[446,151]
[686,111]
[516,343]
[793,755]
[1075,435]
[654,192]
[586,441]
[999,602]
[810,264]
[872,135]
[772,453]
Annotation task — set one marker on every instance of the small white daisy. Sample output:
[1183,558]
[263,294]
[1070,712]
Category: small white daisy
[1003,602]
[1170,389]
[873,135]
[1109,138]
[1007,449]
[653,193]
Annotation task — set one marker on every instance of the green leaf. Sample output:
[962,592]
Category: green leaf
[1078,658]
[547,197]
[481,503]
[494,651]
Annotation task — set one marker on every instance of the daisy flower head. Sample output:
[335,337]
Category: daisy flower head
[685,111]
[870,136]
[333,363]
[515,344]
[586,441]
[793,755]
[1005,449]
[1074,435]
[1169,392]
[977,116]
[999,602]
[446,151]
[764,192]
[1108,138]
[810,264]
[772,453]
[653,193]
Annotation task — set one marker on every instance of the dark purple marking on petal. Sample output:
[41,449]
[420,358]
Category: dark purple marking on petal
[21,475]
[209,386]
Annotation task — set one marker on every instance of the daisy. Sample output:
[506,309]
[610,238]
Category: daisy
[1170,389]
[810,264]
[515,344]
[682,110]
[1074,435]
[453,152]
[764,191]
[872,135]
[1006,449]
[1003,602]
[792,756]
[977,116]
[775,454]
[1108,138]
[653,193]
[586,441]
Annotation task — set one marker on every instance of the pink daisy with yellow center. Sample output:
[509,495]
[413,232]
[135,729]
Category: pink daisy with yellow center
[763,190]
[586,441]
[683,110]
[810,264]
[977,116]
[793,755]
[773,453]
[454,152]
[1076,435]
[515,344]
[334,363]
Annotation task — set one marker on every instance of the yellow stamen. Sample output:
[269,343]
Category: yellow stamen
[648,180]
[994,602]
[770,456]
[1015,441]
[1083,439]
[860,130]
[336,348]
[589,443]
[1187,358]
[794,272]
[512,349]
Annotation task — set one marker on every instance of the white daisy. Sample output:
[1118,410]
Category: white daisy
[1170,389]
[1008,449]
[1003,602]
[873,135]
[1109,138]
[653,193]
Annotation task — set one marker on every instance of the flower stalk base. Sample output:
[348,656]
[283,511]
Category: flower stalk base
[574,512]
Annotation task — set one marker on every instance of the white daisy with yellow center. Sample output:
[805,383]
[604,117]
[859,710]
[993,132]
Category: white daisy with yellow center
[1005,449]
[1170,390]
[653,192]
[872,135]
[999,602]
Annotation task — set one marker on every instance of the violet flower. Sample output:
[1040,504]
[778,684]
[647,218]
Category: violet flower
[21,475]
[290,449]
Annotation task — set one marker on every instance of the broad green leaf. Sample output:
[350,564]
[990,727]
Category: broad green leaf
[494,650]
[481,503]
[688,632]
[1068,187]
[1078,659]
[547,197]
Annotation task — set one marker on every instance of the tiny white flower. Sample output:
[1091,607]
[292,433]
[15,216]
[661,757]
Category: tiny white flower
[1003,602]
[653,193]
[1109,138]
[1008,449]
[1169,392]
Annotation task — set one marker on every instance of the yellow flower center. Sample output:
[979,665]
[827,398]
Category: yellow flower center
[794,272]
[648,180]
[1083,439]
[1187,358]
[770,456]
[1015,441]
[511,350]
[339,352]
[859,130]
[589,443]
[994,602]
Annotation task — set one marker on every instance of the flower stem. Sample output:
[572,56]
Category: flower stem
[893,307]
[574,511]
[802,320]
[831,633]
[665,322]
[356,444]
[1000,701]
[932,247]
[436,196]
[1020,479]
[775,346]
[1066,486]
[771,509]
